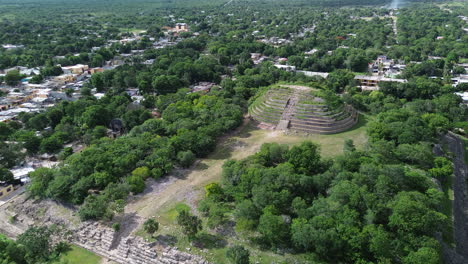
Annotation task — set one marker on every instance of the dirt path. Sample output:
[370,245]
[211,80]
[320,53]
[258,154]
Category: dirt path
[187,185]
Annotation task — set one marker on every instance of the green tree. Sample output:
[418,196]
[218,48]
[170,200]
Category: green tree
[12,78]
[214,191]
[424,255]
[238,255]
[40,179]
[186,158]
[95,115]
[273,228]
[10,155]
[97,81]
[151,226]
[51,144]
[142,172]
[30,141]
[442,170]
[36,79]
[5,131]
[190,224]
[36,241]
[411,213]
[137,183]
[305,158]
[6,175]
[349,146]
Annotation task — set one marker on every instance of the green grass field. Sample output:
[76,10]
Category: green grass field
[77,255]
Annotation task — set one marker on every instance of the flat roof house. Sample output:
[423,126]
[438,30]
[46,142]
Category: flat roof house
[372,82]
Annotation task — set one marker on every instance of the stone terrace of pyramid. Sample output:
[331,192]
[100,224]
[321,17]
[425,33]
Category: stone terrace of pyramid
[298,110]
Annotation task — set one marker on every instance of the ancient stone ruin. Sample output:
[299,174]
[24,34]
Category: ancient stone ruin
[294,109]
[93,236]
[128,250]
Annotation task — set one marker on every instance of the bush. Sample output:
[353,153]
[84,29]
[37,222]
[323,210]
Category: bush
[65,153]
[190,224]
[142,172]
[186,158]
[238,255]
[116,227]
[137,184]
[151,226]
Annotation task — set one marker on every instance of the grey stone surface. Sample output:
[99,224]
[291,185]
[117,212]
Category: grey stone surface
[129,250]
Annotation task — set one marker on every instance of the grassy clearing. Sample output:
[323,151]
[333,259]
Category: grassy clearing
[447,207]
[210,245]
[77,255]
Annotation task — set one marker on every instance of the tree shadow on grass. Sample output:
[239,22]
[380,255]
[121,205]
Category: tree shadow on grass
[362,121]
[247,131]
[201,166]
[209,241]
[224,150]
[166,240]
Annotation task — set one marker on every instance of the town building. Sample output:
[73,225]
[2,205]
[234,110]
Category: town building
[464,96]
[75,69]
[313,74]
[11,46]
[202,86]
[65,78]
[181,27]
[288,68]
[463,78]
[371,83]
[384,66]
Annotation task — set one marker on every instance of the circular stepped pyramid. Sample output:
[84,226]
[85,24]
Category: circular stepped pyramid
[298,110]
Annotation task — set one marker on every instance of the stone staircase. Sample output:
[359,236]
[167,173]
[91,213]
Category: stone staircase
[129,250]
[298,110]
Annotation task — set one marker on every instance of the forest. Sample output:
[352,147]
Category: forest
[381,203]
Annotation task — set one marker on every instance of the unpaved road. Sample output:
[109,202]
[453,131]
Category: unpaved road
[187,185]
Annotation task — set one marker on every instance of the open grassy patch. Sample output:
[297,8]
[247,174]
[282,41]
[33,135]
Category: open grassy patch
[77,255]
[330,145]
[447,207]
[171,214]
